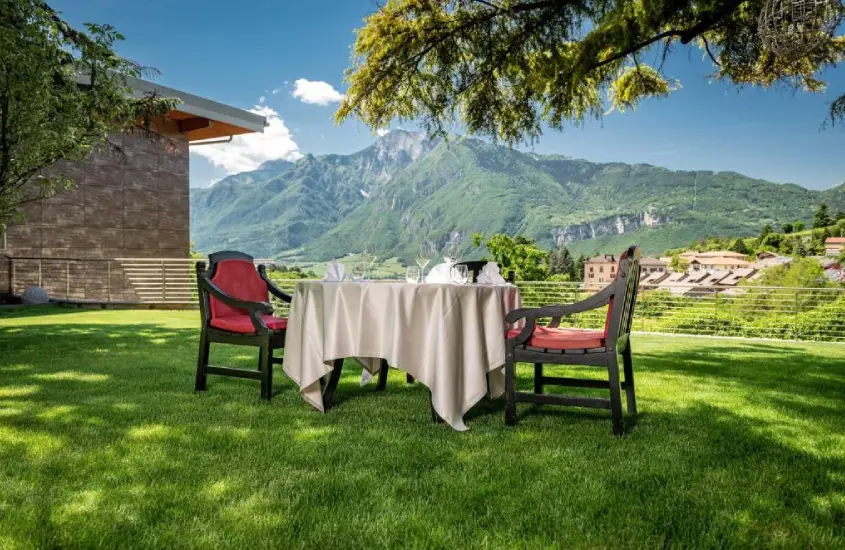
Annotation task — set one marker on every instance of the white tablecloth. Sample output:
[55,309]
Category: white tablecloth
[451,338]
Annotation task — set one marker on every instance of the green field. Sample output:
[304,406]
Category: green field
[103,444]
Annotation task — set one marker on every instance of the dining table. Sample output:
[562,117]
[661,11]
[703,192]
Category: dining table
[449,337]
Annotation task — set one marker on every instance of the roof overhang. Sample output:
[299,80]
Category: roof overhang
[198,118]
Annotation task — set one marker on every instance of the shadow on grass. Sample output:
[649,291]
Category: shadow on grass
[103,443]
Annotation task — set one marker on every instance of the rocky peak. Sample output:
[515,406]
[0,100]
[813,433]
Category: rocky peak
[402,146]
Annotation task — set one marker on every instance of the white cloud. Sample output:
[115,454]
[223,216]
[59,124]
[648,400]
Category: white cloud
[261,100]
[276,90]
[249,151]
[382,132]
[316,92]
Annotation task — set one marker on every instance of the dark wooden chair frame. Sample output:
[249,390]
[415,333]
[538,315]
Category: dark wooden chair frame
[623,291]
[329,383]
[265,339]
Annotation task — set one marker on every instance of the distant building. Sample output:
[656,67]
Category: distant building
[766,260]
[690,255]
[716,263]
[599,270]
[834,272]
[738,275]
[652,265]
[833,246]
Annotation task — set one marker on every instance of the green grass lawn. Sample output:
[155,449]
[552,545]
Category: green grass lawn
[103,444]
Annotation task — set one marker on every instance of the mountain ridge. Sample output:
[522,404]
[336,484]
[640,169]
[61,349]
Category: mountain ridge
[406,188]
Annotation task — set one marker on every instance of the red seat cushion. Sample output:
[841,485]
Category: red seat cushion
[563,338]
[242,324]
[239,279]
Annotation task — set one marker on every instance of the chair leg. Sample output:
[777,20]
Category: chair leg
[409,379]
[629,380]
[538,378]
[265,365]
[382,376]
[510,389]
[202,362]
[615,393]
[331,386]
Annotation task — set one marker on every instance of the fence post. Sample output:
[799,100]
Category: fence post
[163,282]
[67,279]
[108,280]
[40,285]
[795,311]
[11,275]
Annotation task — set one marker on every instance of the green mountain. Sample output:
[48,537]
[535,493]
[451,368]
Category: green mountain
[405,189]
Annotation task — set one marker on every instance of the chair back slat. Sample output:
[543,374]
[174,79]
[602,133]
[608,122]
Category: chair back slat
[620,313]
[634,273]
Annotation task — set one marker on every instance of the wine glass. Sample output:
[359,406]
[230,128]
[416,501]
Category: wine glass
[413,274]
[450,253]
[424,256]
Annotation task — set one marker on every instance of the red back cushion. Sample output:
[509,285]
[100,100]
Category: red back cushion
[239,279]
[610,303]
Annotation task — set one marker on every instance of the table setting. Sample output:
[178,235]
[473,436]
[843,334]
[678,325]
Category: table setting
[439,327]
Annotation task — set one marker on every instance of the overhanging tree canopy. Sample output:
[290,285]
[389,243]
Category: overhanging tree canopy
[503,67]
[62,93]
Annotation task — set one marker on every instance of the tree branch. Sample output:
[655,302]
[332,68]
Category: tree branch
[707,49]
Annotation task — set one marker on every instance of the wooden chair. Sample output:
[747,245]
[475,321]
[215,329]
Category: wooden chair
[235,309]
[552,344]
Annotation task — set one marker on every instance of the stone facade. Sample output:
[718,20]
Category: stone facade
[123,206]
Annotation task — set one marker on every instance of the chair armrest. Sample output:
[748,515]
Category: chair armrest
[593,302]
[252,307]
[271,286]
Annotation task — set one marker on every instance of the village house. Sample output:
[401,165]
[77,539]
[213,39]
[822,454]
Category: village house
[599,270]
[716,263]
[652,265]
[833,246]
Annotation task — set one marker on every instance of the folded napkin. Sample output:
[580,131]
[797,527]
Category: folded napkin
[335,272]
[439,274]
[490,275]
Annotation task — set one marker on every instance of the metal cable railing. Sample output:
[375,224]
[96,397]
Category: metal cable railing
[745,311]
[748,311]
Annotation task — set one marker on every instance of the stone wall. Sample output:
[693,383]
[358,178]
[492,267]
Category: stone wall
[123,206]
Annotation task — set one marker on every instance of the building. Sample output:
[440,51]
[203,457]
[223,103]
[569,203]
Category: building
[690,255]
[652,265]
[766,260]
[716,263]
[599,270]
[833,246]
[123,207]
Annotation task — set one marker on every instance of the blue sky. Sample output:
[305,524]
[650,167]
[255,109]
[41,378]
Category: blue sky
[238,52]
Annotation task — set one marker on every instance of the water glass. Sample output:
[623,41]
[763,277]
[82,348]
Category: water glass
[461,274]
[414,274]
